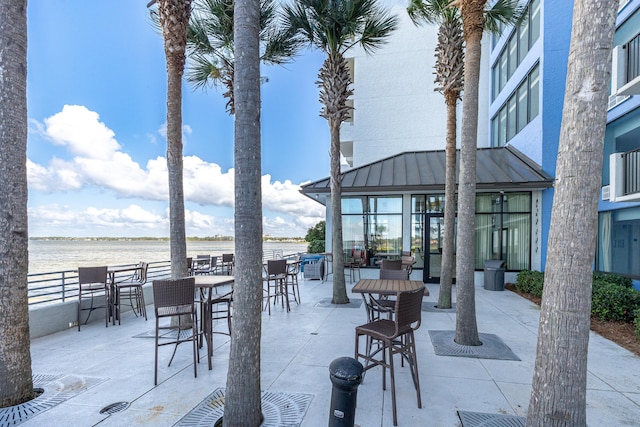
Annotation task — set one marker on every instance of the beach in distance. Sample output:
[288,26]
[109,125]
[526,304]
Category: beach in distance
[56,255]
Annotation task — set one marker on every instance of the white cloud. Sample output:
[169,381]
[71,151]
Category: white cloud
[99,162]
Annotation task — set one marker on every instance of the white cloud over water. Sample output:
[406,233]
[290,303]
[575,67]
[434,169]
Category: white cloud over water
[92,159]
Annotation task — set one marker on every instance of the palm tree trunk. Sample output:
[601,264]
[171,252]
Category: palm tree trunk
[558,395]
[242,396]
[472,12]
[174,20]
[16,384]
[339,285]
[177,235]
[446,268]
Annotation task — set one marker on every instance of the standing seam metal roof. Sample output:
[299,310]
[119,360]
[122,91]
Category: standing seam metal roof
[503,168]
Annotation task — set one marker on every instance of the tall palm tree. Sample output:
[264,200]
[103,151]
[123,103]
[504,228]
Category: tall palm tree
[474,21]
[449,81]
[334,27]
[174,20]
[16,384]
[210,44]
[242,400]
[558,396]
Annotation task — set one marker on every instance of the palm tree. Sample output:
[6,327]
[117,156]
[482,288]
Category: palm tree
[558,396]
[449,81]
[474,21]
[334,27]
[210,44]
[242,400]
[16,384]
[174,19]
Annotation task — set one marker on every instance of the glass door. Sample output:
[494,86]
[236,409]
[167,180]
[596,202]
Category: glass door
[434,234]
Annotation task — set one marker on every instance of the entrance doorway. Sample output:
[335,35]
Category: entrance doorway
[433,236]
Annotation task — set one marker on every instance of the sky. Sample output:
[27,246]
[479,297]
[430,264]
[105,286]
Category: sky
[96,100]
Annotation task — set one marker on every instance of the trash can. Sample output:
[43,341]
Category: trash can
[494,274]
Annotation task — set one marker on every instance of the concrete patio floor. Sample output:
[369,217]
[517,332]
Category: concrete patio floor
[297,348]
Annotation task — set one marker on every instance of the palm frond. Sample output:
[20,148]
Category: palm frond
[434,12]
[503,12]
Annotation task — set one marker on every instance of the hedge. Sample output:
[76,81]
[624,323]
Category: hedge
[613,296]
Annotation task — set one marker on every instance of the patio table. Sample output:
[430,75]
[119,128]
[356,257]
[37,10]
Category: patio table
[386,286]
[207,286]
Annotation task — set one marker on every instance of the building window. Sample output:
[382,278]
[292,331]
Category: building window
[372,224]
[521,107]
[516,48]
[503,229]
[619,242]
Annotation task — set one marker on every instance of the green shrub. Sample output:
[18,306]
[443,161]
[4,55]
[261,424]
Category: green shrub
[613,278]
[530,282]
[613,301]
[637,324]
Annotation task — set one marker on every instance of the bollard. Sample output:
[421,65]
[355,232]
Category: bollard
[346,376]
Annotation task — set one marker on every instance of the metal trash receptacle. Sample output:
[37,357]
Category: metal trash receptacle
[494,274]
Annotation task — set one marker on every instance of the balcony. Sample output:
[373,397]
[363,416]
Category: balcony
[625,176]
[626,68]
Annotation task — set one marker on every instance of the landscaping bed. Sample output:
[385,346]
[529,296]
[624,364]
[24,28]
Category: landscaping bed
[622,333]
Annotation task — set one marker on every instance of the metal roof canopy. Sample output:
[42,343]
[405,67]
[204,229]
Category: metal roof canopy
[497,169]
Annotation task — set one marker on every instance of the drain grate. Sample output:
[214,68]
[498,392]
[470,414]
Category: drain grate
[278,409]
[326,303]
[114,407]
[55,389]
[492,347]
[479,419]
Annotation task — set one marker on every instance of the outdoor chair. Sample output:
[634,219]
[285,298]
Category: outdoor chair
[175,298]
[92,284]
[391,264]
[293,270]
[353,264]
[276,283]
[395,337]
[131,289]
[384,305]
[227,264]
[189,266]
[221,310]
[202,264]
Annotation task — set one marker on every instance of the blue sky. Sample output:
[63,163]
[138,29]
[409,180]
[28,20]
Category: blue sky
[96,94]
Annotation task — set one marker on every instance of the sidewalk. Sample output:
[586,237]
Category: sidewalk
[101,366]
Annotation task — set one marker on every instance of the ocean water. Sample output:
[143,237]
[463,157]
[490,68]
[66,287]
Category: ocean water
[56,255]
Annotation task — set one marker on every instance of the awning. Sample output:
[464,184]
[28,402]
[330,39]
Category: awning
[497,169]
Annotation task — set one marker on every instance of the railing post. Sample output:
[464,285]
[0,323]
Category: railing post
[63,286]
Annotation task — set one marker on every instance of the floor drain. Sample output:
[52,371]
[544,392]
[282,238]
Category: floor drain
[114,407]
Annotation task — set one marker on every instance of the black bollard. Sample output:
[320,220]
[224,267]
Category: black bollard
[346,376]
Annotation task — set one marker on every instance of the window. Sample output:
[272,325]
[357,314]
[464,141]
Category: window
[503,229]
[618,237]
[517,47]
[372,224]
[521,107]
[511,117]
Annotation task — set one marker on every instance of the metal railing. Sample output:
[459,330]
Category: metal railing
[631,170]
[60,286]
